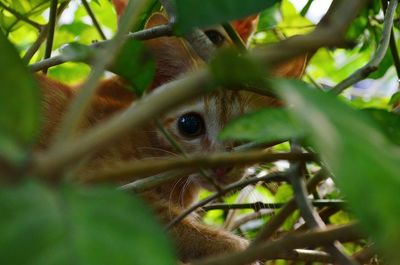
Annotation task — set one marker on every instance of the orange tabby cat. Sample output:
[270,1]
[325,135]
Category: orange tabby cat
[194,125]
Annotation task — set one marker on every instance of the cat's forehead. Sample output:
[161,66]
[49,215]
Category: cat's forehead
[220,105]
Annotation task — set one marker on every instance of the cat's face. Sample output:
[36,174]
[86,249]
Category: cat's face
[195,127]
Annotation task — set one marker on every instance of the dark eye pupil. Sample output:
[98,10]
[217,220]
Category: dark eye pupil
[215,37]
[191,125]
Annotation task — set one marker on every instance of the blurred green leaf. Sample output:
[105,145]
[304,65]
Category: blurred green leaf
[231,68]
[363,161]
[19,101]
[395,99]
[136,65]
[388,122]
[267,125]
[293,23]
[44,226]
[269,18]
[194,13]
[70,72]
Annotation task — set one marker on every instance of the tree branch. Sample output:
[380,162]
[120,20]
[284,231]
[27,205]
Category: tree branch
[257,206]
[376,58]
[158,31]
[21,17]
[234,186]
[50,30]
[76,110]
[268,250]
[392,43]
[93,18]
[150,167]
[276,221]
[42,36]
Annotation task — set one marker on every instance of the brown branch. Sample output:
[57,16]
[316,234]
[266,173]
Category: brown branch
[150,167]
[65,153]
[158,31]
[268,250]
[366,254]
[154,181]
[234,186]
[285,212]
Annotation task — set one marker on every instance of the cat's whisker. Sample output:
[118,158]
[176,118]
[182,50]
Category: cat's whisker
[149,148]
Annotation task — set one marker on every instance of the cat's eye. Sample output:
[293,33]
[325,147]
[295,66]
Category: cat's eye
[191,125]
[215,37]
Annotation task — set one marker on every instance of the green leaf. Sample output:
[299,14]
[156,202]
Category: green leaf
[267,125]
[395,99]
[269,18]
[231,68]
[135,64]
[363,161]
[71,225]
[293,23]
[388,122]
[195,13]
[19,101]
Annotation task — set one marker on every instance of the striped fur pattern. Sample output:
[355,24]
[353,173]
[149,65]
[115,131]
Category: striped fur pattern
[193,239]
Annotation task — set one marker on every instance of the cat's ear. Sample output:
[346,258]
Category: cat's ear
[172,55]
[293,68]
[245,27]
[120,6]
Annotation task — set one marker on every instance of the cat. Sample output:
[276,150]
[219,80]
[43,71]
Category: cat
[194,125]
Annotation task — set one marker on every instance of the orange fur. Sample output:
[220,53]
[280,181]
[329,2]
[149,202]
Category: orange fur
[173,58]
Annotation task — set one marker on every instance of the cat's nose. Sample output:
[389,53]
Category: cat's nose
[222,171]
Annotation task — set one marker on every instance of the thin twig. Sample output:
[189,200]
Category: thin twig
[51,29]
[305,255]
[392,43]
[376,58]
[158,31]
[366,254]
[154,181]
[269,250]
[311,217]
[306,7]
[249,217]
[21,17]
[94,19]
[276,221]
[257,206]
[78,107]
[223,191]
[125,172]
[42,36]
[234,36]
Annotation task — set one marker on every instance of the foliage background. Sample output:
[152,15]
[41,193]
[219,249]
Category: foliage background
[377,154]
